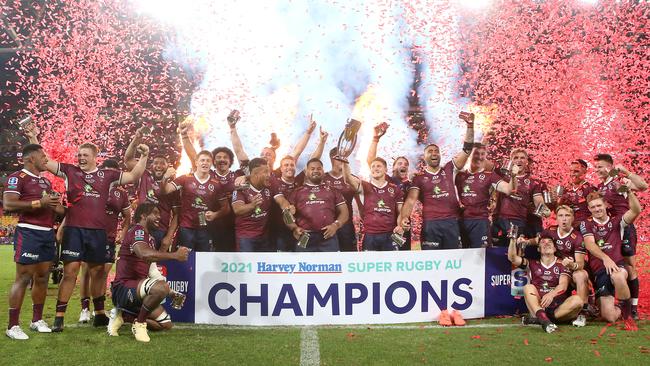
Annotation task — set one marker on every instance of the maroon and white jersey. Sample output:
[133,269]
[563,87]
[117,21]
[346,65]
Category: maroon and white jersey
[546,278]
[340,185]
[87,194]
[254,225]
[131,269]
[118,201]
[576,198]
[437,192]
[380,207]
[515,205]
[279,185]
[315,205]
[198,196]
[227,180]
[403,185]
[31,187]
[474,190]
[608,236]
[617,201]
[565,245]
[149,190]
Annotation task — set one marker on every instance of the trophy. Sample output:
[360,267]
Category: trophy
[287,217]
[547,197]
[202,219]
[380,129]
[178,300]
[622,189]
[614,172]
[398,240]
[275,141]
[233,118]
[347,140]
[506,167]
[303,240]
[513,232]
[542,211]
[23,123]
[559,191]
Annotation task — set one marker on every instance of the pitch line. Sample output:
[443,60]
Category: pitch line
[309,347]
[353,326]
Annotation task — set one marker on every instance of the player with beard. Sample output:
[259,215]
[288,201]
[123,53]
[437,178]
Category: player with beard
[149,189]
[610,182]
[203,200]
[31,195]
[475,187]
[400,176]
[603,235]
[569,248]
[134,292]
[382,202]
[268,153]
[320,210]
[436,190]
[84,237]
[222,231]
[513,208]
[575,196]
[252,207]
[546,295]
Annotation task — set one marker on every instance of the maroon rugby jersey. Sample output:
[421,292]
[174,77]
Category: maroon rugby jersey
[437,193]
[546,278]
[253,225]
[197,196]
[565,246]
[315,205]
[380,207]
[515,205]
[340,185]
[31,187]
[118,201]
[131,269]
[403,185]
[228,183]
[87,194]
[608,236]
[474,192]
[149,190]
[280,186]
[617,201]
[576,198]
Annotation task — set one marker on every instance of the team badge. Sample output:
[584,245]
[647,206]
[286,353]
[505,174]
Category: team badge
[12,182]
[100,174]
[139,234]
[391,190]
[211,187]
[481,177]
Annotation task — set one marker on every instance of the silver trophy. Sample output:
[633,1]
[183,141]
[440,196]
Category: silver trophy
[513,232]
[559,191]
[178,300]
[303,240]
[398,240]
[347,140]
[233,118]
[547,197]
[202,219]
[614,172]
[287,217]
[542,211]
[506,167]
[23,123]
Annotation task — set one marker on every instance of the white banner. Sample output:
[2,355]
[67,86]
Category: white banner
[338,288]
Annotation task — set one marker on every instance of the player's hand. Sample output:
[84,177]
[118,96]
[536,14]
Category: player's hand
[210,215]
[398,230]
[521,241]
[566,262]
[140,132]
[292,209]
[515,169]
[329,230]
[323,134]
[297,232]
[380,130]
[170,173]
[166,242]
[257,200]
[182,253]
[406,223]
[31,130]
[233,118]
[468,118]
[50,201]
[610,266]
[143,150]
[622,170]
[547,300]
[312,124]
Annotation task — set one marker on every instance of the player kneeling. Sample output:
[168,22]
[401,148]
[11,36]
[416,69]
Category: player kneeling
[546,295]
[137,291]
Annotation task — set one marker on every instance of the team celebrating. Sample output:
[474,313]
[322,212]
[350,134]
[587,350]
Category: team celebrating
[466,202]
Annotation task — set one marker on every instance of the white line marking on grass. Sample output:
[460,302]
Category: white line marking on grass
[309,348]
[353,326]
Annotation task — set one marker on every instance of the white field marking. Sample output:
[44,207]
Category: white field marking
[309,347]
[353,326]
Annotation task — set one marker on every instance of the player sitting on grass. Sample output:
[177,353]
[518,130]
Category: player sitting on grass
[546,295]
[135,291]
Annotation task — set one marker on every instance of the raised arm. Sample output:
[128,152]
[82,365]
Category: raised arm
[126,222]
[635,208]
[32,131]
[350,179]
[129,154]
[468,144]
[510,187]
[407,207]
[321,145]
[304,139]
[637,182]
[135,173]
[188,146]
[513,256]
[237,146]
[379,131]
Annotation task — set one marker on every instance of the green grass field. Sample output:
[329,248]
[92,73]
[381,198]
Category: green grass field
[496,341]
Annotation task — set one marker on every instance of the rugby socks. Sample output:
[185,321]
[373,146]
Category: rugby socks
[37,311]
[626,308]
[61,306]
[85,303]
[144,313]
[98,304]
[14,315]
[634,292]
[541,315]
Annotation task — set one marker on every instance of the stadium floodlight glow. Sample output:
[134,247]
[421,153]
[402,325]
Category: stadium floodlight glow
[474,4]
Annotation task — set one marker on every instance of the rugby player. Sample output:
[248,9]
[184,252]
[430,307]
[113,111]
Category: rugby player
[603,235]
[617,205]
[575,196]
[436,190]
[134,292]
[547,296]
[31,196]
[320,211]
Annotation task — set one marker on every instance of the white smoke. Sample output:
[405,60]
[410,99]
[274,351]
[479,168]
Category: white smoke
[277,61]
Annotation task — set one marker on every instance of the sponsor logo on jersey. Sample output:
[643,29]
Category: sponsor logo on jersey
[12,183]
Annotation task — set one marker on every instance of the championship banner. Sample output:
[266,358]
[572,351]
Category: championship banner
[337,288]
